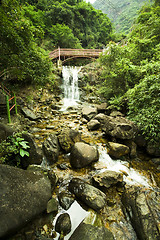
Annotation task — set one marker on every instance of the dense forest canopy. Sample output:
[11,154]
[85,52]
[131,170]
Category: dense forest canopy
[122,13]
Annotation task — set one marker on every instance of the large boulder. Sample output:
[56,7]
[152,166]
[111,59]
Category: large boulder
[89,112]
[51,148]
[23,195]
[67,138]
[117,150]
[90,232]
[83,154]
[117,126]
[5,131]
[88,194]
[35,154]
[108,178]
[143,208]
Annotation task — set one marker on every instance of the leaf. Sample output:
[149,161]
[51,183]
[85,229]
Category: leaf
[23,153]
[24,144]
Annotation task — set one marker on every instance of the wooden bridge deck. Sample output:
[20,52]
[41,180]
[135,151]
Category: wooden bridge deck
[74,53]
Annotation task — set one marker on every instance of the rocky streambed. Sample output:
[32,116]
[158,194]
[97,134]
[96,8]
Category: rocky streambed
[85,177]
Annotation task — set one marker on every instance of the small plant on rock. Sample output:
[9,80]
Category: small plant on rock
[13,149]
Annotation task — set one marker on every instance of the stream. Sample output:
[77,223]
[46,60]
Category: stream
[114,218]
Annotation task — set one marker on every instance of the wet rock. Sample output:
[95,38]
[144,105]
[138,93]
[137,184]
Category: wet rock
[156,161]
[88,194]
[143,208]
[118,127]
[65,200]
[93,124]
[133,148]
[83,155]
[90,232]
[102,108]
[88,113]
[5,131]
[52,206]
[67,138]
[63,224]
[30,114]
[23,195]
[35,154]
[153,149]
[47,172]
[140,140]
[108,178]
[117,150]
[51,148]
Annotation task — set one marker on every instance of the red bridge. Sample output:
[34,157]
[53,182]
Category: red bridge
[65,54]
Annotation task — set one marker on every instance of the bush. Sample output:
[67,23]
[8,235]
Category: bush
[144,106]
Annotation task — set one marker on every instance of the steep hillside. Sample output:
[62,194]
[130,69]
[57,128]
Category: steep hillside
[122,13]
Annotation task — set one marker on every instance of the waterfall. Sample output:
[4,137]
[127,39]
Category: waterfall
[70,86]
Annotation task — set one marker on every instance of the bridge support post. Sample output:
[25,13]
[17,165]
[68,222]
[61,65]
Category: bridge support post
[59,63]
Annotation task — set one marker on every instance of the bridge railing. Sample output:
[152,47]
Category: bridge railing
[67,52]
[9,97]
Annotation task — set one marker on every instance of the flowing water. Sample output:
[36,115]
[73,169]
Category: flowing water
[70,86]
[130,175]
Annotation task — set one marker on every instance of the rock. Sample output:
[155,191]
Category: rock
[67,138]
[108,178]
[153,149]
[5,131]
[83,155]
[90,232]
[63,224]
[23,195]
[47,172]
[35,154]
[118,127]
[140,140]
[52,206]
[102,108]
[91,196]
[51,148]
[132,146]
[156,161]
[93,124]
[29,114]
[88,113]
[65,200]
[117,150]
[143,208]
[116,114]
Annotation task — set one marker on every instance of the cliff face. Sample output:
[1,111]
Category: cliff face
[122,13]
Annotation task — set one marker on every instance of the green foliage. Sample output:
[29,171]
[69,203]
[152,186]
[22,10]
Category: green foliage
[144,106]
[62,36]
[21,58]
[118,71]
[13,149]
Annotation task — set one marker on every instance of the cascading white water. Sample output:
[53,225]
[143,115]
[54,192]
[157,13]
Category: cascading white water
[70,86]
[131,176]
